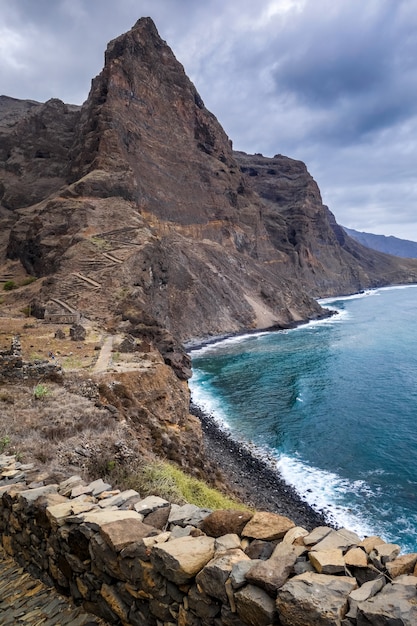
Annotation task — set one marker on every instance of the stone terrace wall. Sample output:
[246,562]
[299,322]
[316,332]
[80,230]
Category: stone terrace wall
[13,367]
[144,561]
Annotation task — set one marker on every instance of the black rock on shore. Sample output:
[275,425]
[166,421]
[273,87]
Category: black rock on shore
[255,483]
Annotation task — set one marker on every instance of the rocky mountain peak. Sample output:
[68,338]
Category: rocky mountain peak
[135,209]
[145,120]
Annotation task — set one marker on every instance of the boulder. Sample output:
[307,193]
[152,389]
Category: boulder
[239,571]
[202,605]
[356,557]
[179,514]
[295,535]
[328,561]
[214,575]
[77,332]
[181,559]
[368,590]
[317,535]
[343,539]
[273,573]
[150,504]
[314,599]
[99,517]
[119,499]
[267,526]
[227,542]
[120,533]
[29,496]
[66,486]
[386,552]
[258,549]
[254,606]
[224,522]
[58,513]
[403,564]
[158,518]
[97,487]
[395,604]
[369,543]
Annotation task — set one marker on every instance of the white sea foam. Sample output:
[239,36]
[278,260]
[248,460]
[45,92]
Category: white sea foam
[363,294]
[204,398]
[339,316]
[226,341]
[325,491]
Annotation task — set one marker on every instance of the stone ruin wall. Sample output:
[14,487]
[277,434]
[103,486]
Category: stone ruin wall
[14,368]
[62,318]
[143,561]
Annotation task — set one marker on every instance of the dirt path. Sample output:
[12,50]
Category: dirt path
[104,357]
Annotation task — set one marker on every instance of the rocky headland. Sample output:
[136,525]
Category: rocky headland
[134,216]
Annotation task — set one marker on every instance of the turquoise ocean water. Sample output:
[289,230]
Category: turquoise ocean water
[332,405]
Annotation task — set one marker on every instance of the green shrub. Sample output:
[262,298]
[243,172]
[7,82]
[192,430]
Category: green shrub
[40,391]
[28,280]
[9,285]
[4,442]
[101,244]
[27,310]
[6,397]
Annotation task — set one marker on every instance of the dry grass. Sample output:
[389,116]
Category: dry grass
[63,430]
[38,340]
[58,428]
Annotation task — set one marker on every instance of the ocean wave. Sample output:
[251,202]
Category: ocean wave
[214,345]
[204,399]
[325,491]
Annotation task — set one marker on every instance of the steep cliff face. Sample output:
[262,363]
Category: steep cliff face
[34,142]
[313,247]
[143,212]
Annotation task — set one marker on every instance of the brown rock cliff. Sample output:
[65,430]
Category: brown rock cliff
[144,212]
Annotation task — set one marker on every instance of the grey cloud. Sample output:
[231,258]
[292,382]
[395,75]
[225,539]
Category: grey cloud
[330,83]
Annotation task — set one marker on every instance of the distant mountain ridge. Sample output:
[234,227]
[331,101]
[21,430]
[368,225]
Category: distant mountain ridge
[404,248]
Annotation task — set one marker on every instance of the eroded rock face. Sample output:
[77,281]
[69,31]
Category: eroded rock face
[325,260]
[34,149]
[156,215]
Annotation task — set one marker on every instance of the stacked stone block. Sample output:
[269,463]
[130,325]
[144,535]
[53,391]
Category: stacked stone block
[134,560]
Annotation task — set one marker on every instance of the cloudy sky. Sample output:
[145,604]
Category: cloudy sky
[330,82]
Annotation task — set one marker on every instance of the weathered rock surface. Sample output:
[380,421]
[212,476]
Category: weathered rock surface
[328,561]
[268,526]
[273,573]
[221,523]
[212,578]
[395,604]
[181,559]
[143,179]
[314,600]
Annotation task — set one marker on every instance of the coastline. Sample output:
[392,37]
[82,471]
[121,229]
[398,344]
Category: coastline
[251,478]
[196,344]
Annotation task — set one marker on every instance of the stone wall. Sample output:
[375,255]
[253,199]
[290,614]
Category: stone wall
[13,367]
[62,318]
[144,561]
